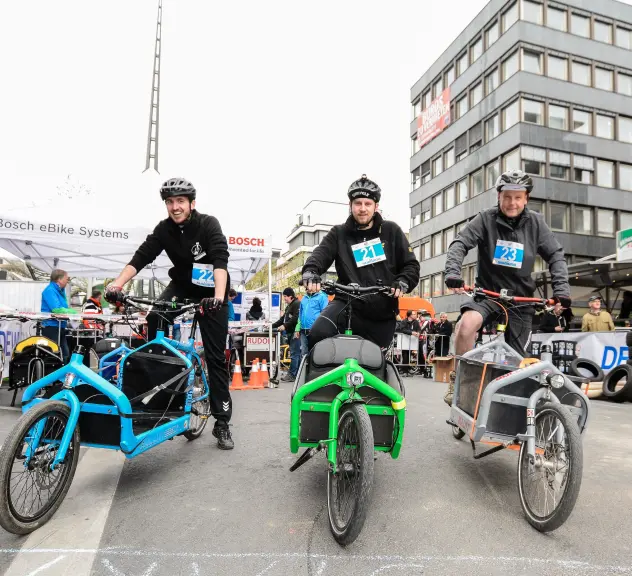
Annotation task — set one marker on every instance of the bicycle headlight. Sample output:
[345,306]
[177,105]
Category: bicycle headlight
[355,378]
[555,380]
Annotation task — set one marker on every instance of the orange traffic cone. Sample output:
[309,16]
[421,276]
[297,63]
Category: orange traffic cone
[255,375]
[238,381]
[265,377]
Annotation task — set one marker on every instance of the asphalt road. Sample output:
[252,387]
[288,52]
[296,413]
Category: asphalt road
[187,508]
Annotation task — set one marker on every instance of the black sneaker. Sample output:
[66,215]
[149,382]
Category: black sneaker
[224,439]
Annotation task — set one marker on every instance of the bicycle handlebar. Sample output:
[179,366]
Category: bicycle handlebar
[164,304]
[517,299]
[355,289]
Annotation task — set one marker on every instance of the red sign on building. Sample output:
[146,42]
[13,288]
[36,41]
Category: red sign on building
[434,119]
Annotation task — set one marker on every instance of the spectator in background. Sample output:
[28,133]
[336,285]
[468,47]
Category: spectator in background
[93,306]
[256,311]
[443,330]
[554,320]
[312,304]
[54,302]
[409,326]
[231,309]
[287,323]
[597,320]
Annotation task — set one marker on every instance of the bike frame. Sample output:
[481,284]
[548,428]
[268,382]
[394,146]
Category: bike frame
[75,374]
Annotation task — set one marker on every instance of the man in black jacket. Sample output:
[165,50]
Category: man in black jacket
[198,250]
[287,324]
[410,327]
[554,321]
[366,250]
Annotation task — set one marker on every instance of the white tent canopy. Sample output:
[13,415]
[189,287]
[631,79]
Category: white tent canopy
[91,239]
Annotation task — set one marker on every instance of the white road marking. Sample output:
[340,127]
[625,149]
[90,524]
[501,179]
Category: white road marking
[45,566]
[268,568]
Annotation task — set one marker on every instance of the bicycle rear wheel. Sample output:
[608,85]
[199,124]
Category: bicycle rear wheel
[200,409]
[550,486]
[349,490]
[31,493]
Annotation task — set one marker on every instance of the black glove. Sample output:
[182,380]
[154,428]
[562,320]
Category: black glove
[310,276]
[565,301]
[454,282]
[115,295]
[399,285]
[210,305]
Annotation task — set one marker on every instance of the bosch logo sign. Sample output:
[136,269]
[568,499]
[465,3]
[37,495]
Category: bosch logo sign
[244,241]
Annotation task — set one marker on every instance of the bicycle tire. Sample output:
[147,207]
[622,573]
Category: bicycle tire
[457,432]
[353,415]
[9,519]
[203,407]
[557,517]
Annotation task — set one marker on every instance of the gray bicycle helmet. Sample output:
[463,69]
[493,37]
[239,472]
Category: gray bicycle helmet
[177,187]
[364,188]
[514,180]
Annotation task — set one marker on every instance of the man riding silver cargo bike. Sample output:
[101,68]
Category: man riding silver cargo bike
[497,396]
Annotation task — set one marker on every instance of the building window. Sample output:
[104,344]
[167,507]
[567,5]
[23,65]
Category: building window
[491,34]
[449,76]
[476,50]
[604,126]
[558,117]
[460,147]
[425,216]
[492,81]
[605,173]
[425,251]
[581,73]
[604,79]
[624,84]
[461,64]
[624,38]
[449,158]
[476,94]
[605,222]
[416,178]
[559,165]
[510,66]
[510,17]
[531,61]
[477,183]
[559,217]
[425,172]
[416,109]
[461,107]
[448,236]
[414,221]
[493,172]
[437,245]
[583,169]
[533,160]
[558,67]
[583,220]
[582,122]
[415,145]
[437,204]
[437,285]
[437,166]
[580,25]
[532,111]
[536,206]
[511,115]
[460,226]
[624,129]
[476,136]
[556,18]
[531,11]
[625,177]
[492,128]
[602,32]
[437,88]
[625,220]
[511,161]
[449,197]
[425,288]
[461,191]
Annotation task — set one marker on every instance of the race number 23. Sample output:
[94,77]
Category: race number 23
[508,254]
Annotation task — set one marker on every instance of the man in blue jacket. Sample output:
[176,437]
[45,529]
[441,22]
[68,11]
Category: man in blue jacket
[54,301]
[312,304]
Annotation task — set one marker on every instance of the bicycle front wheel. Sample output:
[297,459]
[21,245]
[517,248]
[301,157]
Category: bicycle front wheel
[30,493]
[549,486]
[349,490]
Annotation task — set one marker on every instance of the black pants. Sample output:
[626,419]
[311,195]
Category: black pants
[520,321]
[53,333]
[333,320]
[214,329]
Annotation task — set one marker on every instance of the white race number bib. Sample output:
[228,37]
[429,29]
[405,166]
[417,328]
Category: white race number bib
[202,275]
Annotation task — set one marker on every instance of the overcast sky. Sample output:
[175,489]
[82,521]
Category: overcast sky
[264,105]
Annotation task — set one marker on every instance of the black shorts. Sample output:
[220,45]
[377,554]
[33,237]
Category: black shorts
[520,321]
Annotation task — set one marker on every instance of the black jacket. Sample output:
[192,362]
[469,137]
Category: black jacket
[290,317]
[551,321]
[531,230]
[406,327]
[199,240]
[400,263]
[444,328]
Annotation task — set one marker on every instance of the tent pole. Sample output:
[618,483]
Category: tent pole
[270,315]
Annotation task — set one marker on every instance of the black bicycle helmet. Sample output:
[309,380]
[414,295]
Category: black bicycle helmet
[177,187]
[364,188]
[514,180]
